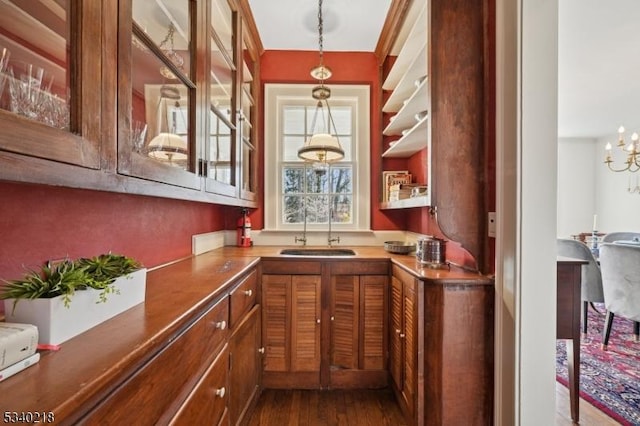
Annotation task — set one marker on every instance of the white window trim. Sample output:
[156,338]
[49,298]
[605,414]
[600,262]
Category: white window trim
[275,96]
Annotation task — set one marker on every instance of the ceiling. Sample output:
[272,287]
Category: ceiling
[349,25]
[598,67]
[598,48]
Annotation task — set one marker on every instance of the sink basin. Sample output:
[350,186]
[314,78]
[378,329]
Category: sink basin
[317,252]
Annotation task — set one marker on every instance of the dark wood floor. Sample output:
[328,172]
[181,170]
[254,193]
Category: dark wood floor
[373,407]
[336,407]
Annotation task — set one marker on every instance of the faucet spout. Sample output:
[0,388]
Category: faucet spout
[303,239]
[329,238]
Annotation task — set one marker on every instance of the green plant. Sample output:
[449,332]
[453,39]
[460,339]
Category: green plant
[65,277]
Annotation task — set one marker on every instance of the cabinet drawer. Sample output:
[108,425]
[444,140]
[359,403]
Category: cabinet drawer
[157,390]
[208,401]
[243,297]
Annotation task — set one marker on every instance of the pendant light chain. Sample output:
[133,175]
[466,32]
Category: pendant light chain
[320,27]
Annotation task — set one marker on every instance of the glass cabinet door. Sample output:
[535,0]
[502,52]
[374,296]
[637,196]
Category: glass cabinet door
[247,132]
[39,99]
[156,138]
[220,162]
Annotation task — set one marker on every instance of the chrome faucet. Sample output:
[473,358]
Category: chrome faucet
[329,238]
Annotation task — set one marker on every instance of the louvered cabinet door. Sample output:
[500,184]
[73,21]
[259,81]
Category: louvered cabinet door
[409,343]
[396,346]
[373,296]
[305,322]
[275,321]
[345,291]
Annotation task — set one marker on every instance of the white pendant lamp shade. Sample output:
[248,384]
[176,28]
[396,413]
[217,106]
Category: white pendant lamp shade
[322,148]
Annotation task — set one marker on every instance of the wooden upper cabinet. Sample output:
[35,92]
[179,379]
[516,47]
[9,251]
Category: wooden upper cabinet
[50,80]
[157,95]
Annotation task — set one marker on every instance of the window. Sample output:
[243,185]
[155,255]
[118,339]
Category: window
[295,189]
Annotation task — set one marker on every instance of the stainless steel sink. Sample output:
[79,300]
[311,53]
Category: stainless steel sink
[317,252]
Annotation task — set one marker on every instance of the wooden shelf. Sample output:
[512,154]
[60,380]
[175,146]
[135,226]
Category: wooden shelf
[422,201]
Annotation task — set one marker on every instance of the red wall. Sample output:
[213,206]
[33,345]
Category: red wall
[39,223]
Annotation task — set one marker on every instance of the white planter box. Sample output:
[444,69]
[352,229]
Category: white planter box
[57,323]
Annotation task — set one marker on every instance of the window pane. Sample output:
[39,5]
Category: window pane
[342,119]
[317,181]
[317,209]
[293,211]
[341,180]
[293,180]
[294,120]
[342,209]
[346,144]
[34,64]
[290,147]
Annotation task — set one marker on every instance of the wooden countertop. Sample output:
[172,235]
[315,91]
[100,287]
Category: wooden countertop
[406,261]
[89,366]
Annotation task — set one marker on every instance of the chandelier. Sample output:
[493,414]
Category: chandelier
[322,146]
[632,150]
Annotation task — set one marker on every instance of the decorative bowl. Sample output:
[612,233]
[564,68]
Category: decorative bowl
[399,247]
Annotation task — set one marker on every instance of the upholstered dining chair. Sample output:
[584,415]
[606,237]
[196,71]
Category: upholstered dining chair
[620,265]
[591,285]
[621,236]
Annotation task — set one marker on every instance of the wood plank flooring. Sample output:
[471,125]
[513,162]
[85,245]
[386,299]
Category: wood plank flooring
[336,407]
[373,407]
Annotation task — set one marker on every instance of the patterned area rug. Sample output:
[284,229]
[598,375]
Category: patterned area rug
[609,380]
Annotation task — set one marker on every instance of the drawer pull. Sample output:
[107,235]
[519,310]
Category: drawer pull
[248,292]
[221,324]
[220,392]
[261,350]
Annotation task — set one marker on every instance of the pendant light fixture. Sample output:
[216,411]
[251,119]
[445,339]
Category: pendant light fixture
[322,146]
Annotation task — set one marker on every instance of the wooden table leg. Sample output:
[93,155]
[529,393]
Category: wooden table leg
[573,361]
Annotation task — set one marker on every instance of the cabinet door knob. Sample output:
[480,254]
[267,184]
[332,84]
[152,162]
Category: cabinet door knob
[318,321]
[261,350]
[333,318]
[248,292]
[220,392]
[402,335]
[221,325]
[397,331]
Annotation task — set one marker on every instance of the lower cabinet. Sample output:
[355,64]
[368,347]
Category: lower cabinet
[403,340]
[441,348]
[207,404]
[291,330]
[324,324]
[245,367]
[208,373]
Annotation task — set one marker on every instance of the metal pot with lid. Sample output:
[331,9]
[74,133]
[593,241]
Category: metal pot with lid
[431,251]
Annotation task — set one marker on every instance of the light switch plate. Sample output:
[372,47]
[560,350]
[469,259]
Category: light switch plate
[492,224]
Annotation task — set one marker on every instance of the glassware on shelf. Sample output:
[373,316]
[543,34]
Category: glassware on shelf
[31,97]
[4,62]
